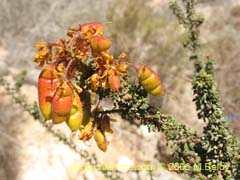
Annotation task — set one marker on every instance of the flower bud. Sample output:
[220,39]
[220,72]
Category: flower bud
[114,81]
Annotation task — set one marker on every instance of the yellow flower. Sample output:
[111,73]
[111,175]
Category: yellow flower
[87,132]
[43,54]
[94,80]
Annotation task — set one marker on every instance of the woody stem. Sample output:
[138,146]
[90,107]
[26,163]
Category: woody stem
[110,111]
[67,69]
[133,65]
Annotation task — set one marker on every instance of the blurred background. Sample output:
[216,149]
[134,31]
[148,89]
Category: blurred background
[148,33]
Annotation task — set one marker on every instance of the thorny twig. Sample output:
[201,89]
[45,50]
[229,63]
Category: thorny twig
[90,158]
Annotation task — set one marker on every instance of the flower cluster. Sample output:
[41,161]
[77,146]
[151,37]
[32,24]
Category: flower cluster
[84,55]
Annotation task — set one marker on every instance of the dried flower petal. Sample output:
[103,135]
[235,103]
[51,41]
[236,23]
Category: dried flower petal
[43,54]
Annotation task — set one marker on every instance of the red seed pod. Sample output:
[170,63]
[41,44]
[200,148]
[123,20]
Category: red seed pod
[48,82]
[150,81]
[62,103]
[89,30]
[100,43]
[76,114]
[114,80]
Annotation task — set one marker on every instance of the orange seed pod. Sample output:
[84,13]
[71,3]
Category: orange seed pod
[48,82]
[62,103]
[114,80]
[100,43]
[76,114]
[150,81]
[100,140]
